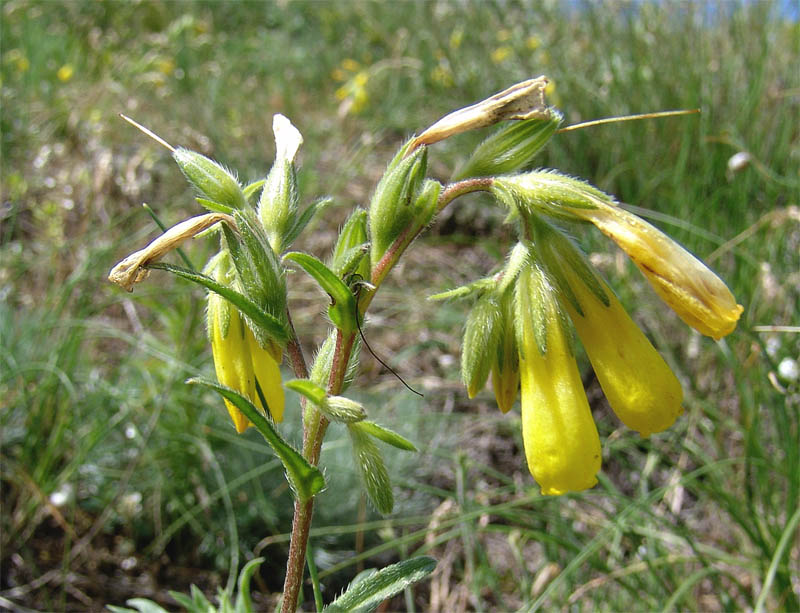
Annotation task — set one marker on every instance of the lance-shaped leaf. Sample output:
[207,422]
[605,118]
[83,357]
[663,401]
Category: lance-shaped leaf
[252,188]
[371,468]
[346,256]
[342,310]
[305,480]
[366,593]
[309,389]
[268,322]
[304,218]
[390,437]
[244,603]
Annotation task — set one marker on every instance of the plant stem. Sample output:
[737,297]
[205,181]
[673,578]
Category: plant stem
[315,424]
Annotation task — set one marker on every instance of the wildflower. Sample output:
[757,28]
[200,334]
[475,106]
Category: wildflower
[698,296]
[639,386]
[239,360]
[501,54]
[65,73]
[561,441]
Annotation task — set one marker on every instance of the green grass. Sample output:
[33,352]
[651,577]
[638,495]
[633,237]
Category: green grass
[91,380]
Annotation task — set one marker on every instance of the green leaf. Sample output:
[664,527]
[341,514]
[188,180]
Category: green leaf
[183,600]
[342,310]
[269,323]
[371,468]
[304,218]
[243,602]
[140,605]
[387,436]
[309,389]
[216,207]
[201,603]
[306,480]
[210,178]
[252,188]
[368,593]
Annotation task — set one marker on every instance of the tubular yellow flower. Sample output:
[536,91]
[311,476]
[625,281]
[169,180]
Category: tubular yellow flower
[231,353]
[698,296]
[266,366]
[561,441]
[640,387]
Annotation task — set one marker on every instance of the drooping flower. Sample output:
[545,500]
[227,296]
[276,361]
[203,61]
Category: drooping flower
[240,362]
[697,295]
[639,385]
[561,441]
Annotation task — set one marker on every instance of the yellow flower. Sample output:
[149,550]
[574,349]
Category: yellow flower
[266,366]
[350,65]
[231,353]
[65,73]
[640,387]
[693,291]
[561,441]
[501,54]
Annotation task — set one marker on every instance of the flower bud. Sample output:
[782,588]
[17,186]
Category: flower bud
[512,147]
[210,178]
[479,348]
[505,368]
[352,236]
[392,206]
[277,206]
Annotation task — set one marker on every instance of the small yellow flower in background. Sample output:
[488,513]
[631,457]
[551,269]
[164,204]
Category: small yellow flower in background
[337,74]
[456,37]
[350,65]
[501,54]
[561,441]
[442,75]
[165,66]
[503,35]
[18,60]
[533,42]
[65,73]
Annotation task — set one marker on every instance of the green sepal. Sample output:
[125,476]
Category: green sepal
[371,468]
[273,327]
[252,188]
[548,192]
[391,209]
[258,270]
[323,361]
[342,310]
[390,437]
[370,588]
[305,480]
[560,253]
[307,388]
[277,205]
[303,220]
[215,207]
[481,337]
[512,147]
[210,178]
[464,291]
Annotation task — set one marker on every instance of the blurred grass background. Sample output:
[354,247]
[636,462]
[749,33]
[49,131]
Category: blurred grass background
[118,480]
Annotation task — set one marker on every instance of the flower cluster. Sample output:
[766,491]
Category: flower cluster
[521,326]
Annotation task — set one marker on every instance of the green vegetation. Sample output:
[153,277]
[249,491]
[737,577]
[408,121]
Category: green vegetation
[118,480]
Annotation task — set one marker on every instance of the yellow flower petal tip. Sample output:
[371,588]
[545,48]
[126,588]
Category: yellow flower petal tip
[697,295]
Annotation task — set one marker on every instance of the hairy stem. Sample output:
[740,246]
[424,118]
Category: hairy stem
[315,424]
